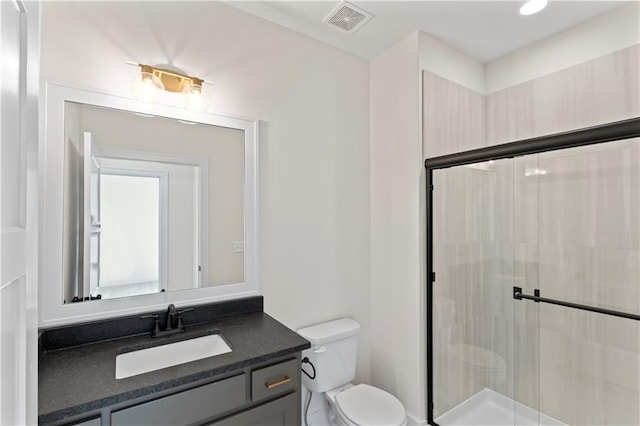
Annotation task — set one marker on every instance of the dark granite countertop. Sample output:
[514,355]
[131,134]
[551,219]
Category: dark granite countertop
[81,379]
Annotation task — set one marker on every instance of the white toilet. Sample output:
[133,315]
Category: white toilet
[333,351]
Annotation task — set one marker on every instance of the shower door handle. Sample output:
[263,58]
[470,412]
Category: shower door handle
[519,295]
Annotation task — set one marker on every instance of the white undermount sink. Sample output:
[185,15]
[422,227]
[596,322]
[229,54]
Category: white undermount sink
[158,357]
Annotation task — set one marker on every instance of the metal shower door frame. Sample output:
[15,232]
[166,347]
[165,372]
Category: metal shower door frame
[610,132]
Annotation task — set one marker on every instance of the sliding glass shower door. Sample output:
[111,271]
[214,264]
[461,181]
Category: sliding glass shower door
[560,231]
[588,226]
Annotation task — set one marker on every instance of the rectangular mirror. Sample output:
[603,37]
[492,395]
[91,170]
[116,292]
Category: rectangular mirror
[152,204]
[145,205]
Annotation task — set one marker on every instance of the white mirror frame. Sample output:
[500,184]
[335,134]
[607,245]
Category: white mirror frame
[52,310]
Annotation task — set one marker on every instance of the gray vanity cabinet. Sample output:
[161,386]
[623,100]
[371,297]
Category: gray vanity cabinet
[263,394]
[281,412]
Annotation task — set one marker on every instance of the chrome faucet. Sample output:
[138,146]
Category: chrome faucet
[172,313]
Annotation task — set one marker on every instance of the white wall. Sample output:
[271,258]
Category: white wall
[397,211]
[314,141]
[443,60]
[397,297]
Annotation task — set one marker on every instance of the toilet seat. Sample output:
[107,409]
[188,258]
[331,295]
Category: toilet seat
[367,405]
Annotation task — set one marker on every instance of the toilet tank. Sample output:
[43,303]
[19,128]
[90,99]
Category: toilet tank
[333,351]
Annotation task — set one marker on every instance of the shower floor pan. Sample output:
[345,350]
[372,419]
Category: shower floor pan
[490,408]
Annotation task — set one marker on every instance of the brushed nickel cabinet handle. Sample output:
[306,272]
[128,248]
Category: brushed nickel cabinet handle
[286,379]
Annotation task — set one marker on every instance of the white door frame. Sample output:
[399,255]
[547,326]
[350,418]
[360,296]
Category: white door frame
[19,201]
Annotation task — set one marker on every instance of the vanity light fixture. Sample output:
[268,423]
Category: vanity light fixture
[147,87]
[149,84]
[533,6]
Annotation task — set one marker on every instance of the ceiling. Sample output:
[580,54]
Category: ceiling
[484,30]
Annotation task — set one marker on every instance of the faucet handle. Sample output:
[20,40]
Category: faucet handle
[156,317]
[156,323]
[179,313]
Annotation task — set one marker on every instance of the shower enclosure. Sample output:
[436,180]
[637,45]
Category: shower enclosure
[533,258]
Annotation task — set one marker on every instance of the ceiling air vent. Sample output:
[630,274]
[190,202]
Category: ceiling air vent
[347,17]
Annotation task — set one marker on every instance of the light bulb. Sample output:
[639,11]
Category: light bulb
[147,87]
[193,98]
[533,6]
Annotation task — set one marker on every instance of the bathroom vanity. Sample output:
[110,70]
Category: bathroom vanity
[257,382]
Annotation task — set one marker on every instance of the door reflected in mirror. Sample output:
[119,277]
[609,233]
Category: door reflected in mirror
[128,240]
[151,204]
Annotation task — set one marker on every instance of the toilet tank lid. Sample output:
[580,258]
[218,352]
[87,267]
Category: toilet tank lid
[331,331]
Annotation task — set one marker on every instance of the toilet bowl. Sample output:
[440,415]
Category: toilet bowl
[333,356]
[364,405]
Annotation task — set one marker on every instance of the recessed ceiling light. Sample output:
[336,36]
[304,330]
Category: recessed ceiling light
[533,6]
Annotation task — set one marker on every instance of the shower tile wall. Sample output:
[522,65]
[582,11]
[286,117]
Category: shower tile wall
[572,232]
[599,91]
[453,117]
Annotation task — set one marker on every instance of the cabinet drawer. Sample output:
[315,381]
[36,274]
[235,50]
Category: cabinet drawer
[186,407]
[275,379]
[281,412]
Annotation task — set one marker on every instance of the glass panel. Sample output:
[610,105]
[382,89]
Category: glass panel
[589,231]
[473,305]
